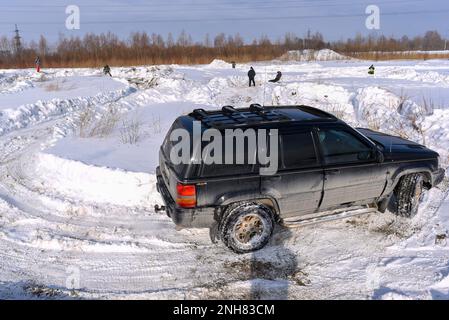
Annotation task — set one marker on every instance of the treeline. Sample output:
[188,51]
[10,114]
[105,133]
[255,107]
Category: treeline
[142,48]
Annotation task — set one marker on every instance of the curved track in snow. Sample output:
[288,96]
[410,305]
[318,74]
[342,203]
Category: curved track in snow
[123,249]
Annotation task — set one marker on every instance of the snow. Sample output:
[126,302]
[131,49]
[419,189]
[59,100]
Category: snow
[218,64]
[76,180]
[75,196]
[312,55]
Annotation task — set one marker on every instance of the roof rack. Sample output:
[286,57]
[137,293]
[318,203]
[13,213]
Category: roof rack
[230,117]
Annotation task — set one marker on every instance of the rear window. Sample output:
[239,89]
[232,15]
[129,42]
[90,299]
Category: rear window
[167,146]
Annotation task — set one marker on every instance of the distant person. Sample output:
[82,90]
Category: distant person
[371,69]
[37,62]
[251,76]
[233,64]
[278,77]
[107,70]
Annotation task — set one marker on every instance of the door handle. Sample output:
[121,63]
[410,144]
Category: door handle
[334,171]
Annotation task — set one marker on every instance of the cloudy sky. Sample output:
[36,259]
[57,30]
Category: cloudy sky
[336,19]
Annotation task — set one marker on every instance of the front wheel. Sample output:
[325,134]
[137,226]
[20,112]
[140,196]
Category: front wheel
[246,227]
[409,194]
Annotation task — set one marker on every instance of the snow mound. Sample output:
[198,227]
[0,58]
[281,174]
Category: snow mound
[95,184]
[312,55]
[42,110]
[218,64]
[13,84]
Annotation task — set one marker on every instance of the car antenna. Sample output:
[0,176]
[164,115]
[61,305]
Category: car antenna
[264,84]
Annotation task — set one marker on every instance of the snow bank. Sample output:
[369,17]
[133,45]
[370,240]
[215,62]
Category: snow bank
[312,55]
[218,64]
[41,110]
[13,83]
[413,74]
[94,184]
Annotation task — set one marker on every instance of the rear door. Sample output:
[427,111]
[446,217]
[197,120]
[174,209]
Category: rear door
[298,184]
[352,174]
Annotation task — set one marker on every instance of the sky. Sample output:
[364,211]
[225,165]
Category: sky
[335,19]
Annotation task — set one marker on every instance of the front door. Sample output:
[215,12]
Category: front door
[351,171]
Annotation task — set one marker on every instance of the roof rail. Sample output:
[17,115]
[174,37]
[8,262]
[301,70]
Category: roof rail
[200,113]
[257,108]
[229,110]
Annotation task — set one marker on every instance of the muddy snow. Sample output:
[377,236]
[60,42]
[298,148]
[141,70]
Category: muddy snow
[78,153]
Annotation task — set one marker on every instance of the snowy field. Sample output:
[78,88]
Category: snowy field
[78,153]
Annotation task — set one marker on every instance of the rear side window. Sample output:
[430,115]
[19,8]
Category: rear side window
[223,169]
[298,150]
[340,146]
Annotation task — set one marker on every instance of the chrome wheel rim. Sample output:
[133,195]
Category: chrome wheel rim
[248,228]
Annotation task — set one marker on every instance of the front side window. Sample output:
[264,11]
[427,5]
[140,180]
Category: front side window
[340,146]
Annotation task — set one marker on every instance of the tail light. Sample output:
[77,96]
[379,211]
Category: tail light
[186,195]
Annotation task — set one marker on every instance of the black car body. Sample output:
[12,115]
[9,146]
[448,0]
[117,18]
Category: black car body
[324,164]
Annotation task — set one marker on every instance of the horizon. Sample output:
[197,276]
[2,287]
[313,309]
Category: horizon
[334,19]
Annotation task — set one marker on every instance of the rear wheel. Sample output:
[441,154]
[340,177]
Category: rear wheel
[246,227]
[408,195]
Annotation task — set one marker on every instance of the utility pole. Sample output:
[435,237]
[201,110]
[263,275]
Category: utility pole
[17,41]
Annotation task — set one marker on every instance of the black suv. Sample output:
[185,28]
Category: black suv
[325,169]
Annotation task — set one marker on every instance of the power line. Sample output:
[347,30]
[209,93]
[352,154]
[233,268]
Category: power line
[206,9]
[251,4]
[231,19]
[166,4]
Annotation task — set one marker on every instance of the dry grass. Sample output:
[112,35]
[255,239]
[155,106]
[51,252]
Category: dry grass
[417,118]
[399,128]
[336,109]
[383,56]
[403,98]
[106,124]
[130,131]
[373,122]
[90,126]
[53,87]
[156,124]
[84,121]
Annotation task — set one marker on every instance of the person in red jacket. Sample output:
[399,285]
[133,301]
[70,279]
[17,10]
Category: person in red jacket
[37,62]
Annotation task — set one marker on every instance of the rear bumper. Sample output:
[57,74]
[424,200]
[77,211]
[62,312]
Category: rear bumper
[438,176]
[202,217]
